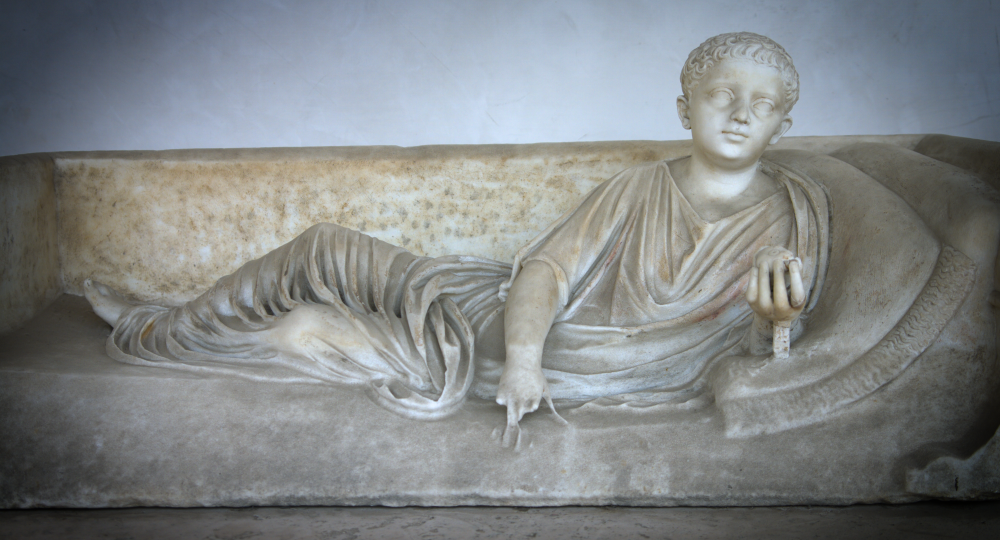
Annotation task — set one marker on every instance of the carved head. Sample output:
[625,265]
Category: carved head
[738,90]
[746,46]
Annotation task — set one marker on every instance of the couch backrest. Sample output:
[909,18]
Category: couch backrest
[163,226]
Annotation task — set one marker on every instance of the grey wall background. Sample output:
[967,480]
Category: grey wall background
[159,74]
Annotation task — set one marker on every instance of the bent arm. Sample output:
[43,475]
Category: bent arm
[532,304]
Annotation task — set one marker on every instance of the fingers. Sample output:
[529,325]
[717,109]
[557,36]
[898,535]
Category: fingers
[764,286]
[798,290]
[752,287]
[516,410]
[773,295]
[513,431]
[514,414]
[770,293]
[520,390]
[518,406]
[781,307]
[511,434]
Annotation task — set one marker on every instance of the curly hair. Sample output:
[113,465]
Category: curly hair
[741,45]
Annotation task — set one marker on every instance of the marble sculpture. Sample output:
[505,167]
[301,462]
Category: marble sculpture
[666,283]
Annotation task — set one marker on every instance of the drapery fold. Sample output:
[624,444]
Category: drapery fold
[652,293]
[331,306]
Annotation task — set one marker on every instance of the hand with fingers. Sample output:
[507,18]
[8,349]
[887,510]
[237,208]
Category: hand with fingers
[531,307]
[775,291]
[521,391]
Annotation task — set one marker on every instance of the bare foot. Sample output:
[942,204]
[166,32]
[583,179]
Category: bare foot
[107,303]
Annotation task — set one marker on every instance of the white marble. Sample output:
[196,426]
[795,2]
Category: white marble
[69,403]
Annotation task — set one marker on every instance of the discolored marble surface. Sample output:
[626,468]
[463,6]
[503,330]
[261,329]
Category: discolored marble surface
[163,226]
[29,253]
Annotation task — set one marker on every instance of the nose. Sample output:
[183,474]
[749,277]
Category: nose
[741,112]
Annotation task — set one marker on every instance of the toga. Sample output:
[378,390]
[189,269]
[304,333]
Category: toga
[651,297]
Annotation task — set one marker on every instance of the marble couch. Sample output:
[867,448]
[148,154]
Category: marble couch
[81,430]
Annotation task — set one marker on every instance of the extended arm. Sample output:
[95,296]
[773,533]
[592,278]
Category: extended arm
[531,307]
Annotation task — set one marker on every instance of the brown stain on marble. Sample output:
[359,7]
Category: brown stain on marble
[164,226]
[165,230]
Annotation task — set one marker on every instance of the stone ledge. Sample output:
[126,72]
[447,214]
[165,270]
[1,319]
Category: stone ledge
[81,430]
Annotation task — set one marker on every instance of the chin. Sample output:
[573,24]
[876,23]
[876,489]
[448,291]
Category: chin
[734,157]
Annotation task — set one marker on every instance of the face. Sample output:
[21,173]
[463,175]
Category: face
[734,112]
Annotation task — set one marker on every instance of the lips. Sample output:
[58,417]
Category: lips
[737,133]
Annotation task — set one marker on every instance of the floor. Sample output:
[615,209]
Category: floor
[923,520]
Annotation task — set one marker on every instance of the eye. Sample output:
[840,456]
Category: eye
[763,106]
[722,95]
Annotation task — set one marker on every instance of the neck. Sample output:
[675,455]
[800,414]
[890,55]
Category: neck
[712,182]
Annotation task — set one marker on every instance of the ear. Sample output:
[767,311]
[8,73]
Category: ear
[783,127]
[682,112]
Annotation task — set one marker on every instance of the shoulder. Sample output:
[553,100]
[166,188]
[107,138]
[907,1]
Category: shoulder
[649,169]
[638,178]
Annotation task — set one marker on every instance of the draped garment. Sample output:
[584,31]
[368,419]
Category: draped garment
[651,297]
[652,294]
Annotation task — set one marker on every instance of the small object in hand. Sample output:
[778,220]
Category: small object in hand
[781,340]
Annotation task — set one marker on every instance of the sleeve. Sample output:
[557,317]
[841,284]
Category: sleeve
[583,238]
